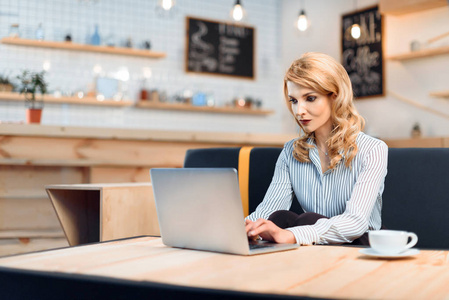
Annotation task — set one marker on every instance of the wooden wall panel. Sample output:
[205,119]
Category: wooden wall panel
[40,148]
[23,245]
[90,152]
[28,221]
[30,181]
[118,175]
[27,214]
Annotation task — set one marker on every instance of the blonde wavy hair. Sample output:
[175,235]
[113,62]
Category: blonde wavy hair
[323,74]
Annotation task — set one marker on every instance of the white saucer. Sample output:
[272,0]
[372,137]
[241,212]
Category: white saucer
[371,252]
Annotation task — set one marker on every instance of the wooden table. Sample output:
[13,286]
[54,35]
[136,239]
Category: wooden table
[314,271]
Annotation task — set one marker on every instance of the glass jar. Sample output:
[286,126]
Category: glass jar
[14,30]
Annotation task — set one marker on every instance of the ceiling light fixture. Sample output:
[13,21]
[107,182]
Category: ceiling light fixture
[238,13]
[302,23]
[356,31]
[165,8]
[167,4]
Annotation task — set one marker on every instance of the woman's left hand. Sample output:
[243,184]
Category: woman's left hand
[267,230]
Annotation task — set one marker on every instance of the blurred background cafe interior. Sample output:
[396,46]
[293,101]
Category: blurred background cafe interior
[120,87]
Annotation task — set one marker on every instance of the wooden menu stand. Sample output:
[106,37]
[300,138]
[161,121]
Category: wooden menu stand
[100,212]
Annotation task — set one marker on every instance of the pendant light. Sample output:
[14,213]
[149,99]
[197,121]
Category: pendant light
[238,13]
[302,23]
[356,31]
[167,4]
[165,8]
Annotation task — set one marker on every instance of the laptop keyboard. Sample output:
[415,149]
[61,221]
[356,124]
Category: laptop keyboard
[257,245]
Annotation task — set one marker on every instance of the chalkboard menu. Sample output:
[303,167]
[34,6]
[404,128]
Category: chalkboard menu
[219,48]
[363,57]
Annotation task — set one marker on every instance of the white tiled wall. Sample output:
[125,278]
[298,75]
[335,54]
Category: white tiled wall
[138,19]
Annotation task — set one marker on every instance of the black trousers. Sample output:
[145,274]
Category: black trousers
[285,219]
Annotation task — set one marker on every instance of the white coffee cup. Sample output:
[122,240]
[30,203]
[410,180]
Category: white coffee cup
[391,241]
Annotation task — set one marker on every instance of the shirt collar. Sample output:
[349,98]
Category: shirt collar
[311,141]
[315,156]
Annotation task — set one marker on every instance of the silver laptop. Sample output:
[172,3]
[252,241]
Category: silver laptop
[201,208]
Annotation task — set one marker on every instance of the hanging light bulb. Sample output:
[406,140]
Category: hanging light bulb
[356,31]
[237,12]
[165,8]
[302,23]
[167,4]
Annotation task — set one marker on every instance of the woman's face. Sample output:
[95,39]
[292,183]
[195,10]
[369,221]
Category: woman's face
[311,109]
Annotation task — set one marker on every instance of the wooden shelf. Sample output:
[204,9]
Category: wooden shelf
[82,47]
[421,53]
[8,96]
[441,94]
[402,7]
[11,96]
[188,107]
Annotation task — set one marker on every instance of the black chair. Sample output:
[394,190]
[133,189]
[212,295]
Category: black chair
[416,195]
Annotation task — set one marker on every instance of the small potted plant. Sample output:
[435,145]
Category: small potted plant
[5,84]
[31,84]
[416,131]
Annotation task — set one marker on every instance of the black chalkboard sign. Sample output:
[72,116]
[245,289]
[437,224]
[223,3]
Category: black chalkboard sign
[363,57]
[219,48]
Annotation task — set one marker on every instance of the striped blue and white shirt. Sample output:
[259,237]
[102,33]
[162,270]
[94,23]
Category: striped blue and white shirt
[350,197]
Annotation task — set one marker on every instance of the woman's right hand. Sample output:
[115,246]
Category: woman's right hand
[267,230]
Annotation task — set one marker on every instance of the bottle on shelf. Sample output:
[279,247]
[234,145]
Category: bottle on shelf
[96,39]
[144,92]
[199,99]
[40,33]
[129,42]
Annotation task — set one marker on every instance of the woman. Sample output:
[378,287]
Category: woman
[335,170]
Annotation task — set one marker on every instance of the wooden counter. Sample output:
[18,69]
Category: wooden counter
[424,142]
[98,148]
[33,156]
[144,134]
